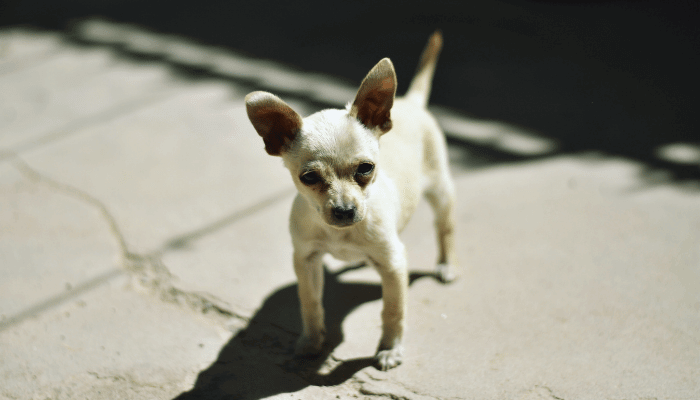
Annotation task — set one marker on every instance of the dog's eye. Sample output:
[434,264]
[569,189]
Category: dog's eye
[310,178]
[365,168]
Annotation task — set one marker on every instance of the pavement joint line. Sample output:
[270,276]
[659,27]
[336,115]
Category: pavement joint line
[61,298]
[184,239]
[80,124]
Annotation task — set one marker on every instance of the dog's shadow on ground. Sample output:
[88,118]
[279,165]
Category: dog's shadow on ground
[259,362]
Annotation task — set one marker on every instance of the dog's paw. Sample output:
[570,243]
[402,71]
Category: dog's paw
[308,346]
[444,273]
[385,360]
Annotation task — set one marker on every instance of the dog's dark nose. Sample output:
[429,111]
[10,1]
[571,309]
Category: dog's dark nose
[344,214]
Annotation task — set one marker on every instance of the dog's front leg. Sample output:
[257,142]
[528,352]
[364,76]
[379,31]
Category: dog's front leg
[309,271]
[394,274]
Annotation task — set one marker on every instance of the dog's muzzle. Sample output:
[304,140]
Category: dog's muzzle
[344,215]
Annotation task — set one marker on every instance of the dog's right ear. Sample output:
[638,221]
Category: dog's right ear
[274,120]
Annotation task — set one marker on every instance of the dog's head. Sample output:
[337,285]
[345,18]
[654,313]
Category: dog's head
[332,154]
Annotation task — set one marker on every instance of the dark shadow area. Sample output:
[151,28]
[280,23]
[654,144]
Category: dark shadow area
[619,78]
[259,362]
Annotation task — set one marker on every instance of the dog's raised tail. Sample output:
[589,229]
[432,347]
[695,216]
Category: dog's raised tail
[419,90]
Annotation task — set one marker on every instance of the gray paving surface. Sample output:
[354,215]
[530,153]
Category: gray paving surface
[144,250]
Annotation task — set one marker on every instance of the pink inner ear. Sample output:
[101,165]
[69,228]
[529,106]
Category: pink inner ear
[374,110]
[276,123]
[388,84]
[273,119]
[375,98]
[281,129]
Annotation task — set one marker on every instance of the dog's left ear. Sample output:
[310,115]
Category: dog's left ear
[375,97]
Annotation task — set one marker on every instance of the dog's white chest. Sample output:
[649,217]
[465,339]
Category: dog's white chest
[343,247]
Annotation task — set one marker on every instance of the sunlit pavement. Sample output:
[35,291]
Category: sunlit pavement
[144,250]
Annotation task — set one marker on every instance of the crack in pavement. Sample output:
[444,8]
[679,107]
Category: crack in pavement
[392,389]
[550,393]
[539,392]
[35,177]
[150,274]
[147,271]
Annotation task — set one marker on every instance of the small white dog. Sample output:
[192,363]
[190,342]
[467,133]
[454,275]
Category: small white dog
[359,187]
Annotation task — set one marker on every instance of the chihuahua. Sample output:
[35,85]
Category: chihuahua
[360,173]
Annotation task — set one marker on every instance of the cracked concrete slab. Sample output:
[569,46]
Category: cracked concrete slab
[171,168]
[243,262]
[49,243]
[70,90]
[577,280]
[109,343]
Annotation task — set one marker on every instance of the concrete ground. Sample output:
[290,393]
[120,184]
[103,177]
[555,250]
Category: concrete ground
[144,250]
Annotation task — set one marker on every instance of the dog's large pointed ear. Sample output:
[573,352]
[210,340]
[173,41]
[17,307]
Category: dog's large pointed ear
[375,97]
[274,120]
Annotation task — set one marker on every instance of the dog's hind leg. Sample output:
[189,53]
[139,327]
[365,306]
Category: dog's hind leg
[441,197]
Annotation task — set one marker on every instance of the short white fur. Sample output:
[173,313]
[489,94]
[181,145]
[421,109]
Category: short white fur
[360,173]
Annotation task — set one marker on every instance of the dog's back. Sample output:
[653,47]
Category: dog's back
[413,153]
